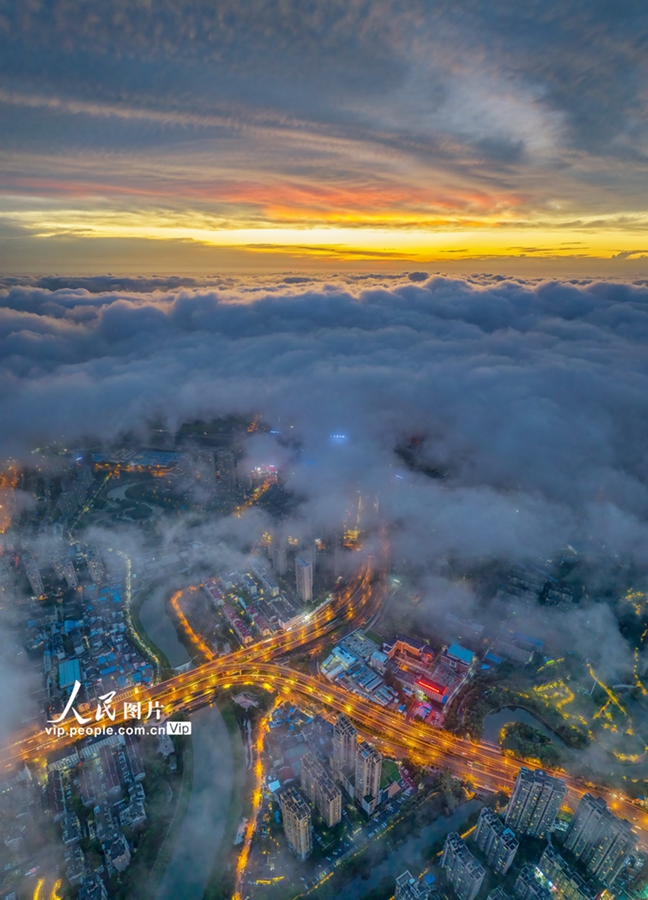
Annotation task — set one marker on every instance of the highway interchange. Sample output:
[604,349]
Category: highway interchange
[264,665]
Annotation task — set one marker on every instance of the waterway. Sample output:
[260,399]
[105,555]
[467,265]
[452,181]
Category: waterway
[204,824]
[119,492]
[495,721]
[412,853]
[160,629]
[201,833]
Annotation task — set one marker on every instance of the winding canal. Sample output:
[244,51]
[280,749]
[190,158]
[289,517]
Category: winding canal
[203,828]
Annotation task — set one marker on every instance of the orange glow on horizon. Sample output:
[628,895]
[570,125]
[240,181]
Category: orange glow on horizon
[390,225]
[8,482]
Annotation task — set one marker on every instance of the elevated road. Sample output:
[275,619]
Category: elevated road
[483,764]
[355,603]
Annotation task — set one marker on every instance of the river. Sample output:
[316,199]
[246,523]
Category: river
[203,827]
[202,830]
[160,629]
[495,721]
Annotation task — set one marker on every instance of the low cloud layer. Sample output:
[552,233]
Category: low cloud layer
[530,396]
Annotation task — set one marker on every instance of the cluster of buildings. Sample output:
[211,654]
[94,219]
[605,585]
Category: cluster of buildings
[278,546]
[106,775]
[361,665]
[93,649]
[494,646]
[83,636]
[198,471]
[438,679]
[251,603]
[92,797]
[581,864]
[599,847]
[75,486]
[92,790]
[531,584]
[358,664]
[62,571]
[360,768]
[319,768]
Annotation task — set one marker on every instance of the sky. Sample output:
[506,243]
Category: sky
[283,135]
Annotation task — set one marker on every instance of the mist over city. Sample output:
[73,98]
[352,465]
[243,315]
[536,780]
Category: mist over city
[478,439]
[323,429]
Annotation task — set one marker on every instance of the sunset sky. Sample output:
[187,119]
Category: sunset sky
[197,136]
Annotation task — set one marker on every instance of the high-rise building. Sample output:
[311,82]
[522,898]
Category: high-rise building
[33,574]
[321,790]
[535,802]
[95,566]
[462,870]
[74,489]
[497,842]
[279,553]
[599,840]
[568,883]
[368,770]
[297,823]
[529,887]
[498,893]
[64,568]
[329,801]
[93,888]
[226,468]
[304,576]
[408,888]
[198,469]
[345,741]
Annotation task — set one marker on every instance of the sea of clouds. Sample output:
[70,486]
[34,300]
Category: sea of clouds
[529,398]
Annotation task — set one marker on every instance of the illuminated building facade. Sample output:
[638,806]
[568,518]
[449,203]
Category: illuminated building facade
[345,740]
[297,824]
[321,790]
[497,842]
[304,576]
[462,870]
[599,840]
[535,802]
[568,883]
[529,887]
[368,771]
